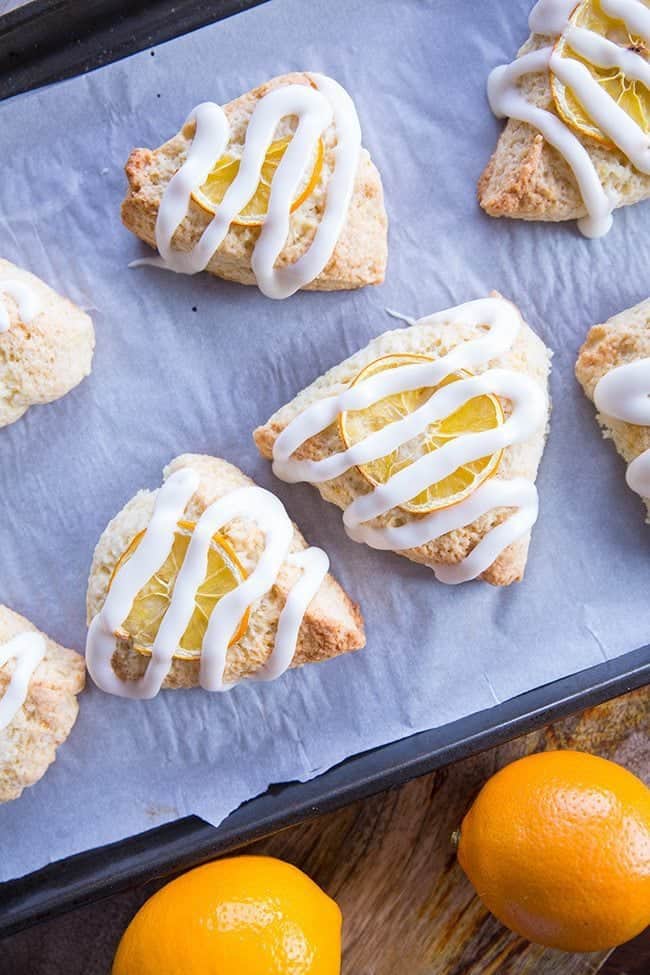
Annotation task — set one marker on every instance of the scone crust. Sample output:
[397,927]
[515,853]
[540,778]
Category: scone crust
[528,179]
[527,355]
[29,742]
[46,358]
[624,338]
[332,624]
[360,255]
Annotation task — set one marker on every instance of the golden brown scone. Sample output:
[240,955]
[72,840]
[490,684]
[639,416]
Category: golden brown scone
[332,624]
[527,355]
[528,179]
[624,338]
[45,358]
[359,257]
[28,743]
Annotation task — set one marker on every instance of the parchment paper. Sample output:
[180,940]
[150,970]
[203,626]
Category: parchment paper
[194,364]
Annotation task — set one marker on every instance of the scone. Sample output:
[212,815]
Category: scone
[39,681]
[273,189]
[207,581]
[429,439]
[613,368]
[577,143]
[46,343]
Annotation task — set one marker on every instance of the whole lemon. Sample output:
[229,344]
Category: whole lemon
[557,846]
[248,915]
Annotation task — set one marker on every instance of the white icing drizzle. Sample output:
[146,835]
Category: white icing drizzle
[528,414]
[25,297]
[315,109]
[634,13]
[624,394]
[550,18]
[606,54]
[602,109]
[252,503]
[27,650]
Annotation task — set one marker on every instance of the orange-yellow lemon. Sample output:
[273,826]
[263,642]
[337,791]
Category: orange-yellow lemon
[247,915]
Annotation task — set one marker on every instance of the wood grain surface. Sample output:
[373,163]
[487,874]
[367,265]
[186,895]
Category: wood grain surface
[388,861]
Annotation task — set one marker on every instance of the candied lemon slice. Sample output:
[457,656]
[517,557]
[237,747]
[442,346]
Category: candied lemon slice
[224,171]
[478,414]
[224,573]
[632,96]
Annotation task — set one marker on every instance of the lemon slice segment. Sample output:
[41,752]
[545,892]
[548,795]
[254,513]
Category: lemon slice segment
[632,96]
[225,170]
[224,573]
[478,414]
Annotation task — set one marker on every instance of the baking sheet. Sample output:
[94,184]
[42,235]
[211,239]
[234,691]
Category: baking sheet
[194,364]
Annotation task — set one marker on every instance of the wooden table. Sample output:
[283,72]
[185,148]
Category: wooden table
[388,861]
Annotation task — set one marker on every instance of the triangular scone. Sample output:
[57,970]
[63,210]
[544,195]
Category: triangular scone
[356,257]
[445,551]
[332,624]
[527,178]
[29,741]
[46,343]
[621,341]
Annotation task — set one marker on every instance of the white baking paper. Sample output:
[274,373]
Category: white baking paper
[194,364]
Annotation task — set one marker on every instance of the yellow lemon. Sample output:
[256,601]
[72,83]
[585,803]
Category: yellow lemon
[224,573]
[632,96]
[248,915]
[224,171]
[557,846]
[477,415]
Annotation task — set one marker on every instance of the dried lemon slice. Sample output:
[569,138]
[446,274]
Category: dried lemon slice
[630,95]
[224,171]
[224,573]
[478,414]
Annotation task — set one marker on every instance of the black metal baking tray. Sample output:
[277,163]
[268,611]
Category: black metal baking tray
[49,40]
[46,41]
[163,851]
